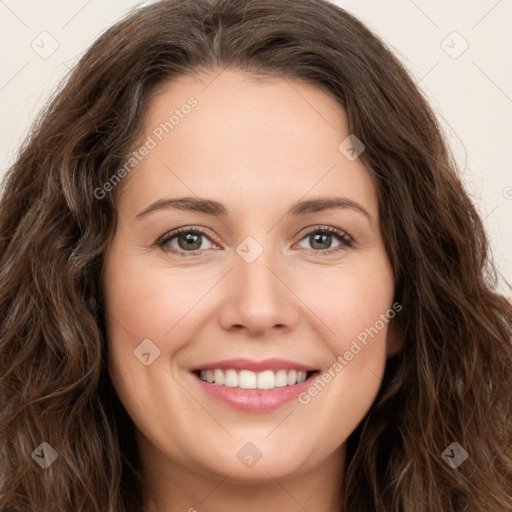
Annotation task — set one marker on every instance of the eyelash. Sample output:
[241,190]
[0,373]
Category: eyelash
[345,240]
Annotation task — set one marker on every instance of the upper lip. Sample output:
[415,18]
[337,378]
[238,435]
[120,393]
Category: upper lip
[255,366]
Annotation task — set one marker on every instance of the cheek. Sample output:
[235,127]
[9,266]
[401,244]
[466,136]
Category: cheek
[150,308]
[146,320]
[147,301]
[357,316]
[355,308]
[350,300]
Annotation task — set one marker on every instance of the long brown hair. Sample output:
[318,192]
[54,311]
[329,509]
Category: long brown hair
[451,381]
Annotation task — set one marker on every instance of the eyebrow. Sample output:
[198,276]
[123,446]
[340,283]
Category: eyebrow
[195,204]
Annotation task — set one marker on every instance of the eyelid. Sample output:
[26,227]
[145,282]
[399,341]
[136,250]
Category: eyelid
[321,227]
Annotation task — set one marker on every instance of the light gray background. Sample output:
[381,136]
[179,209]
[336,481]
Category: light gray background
[470,89]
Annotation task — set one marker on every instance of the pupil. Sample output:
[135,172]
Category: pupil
[190,240]
[321,238]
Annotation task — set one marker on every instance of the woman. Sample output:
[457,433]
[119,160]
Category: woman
[239,270]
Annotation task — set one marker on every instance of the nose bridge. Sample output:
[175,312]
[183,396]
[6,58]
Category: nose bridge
[258,297]
[253,270]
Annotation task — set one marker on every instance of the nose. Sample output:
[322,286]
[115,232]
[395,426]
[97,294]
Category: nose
[260,297]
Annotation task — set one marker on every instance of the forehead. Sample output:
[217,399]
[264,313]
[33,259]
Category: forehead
[248,140]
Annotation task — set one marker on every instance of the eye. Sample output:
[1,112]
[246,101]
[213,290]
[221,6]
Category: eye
[321,238]
[188,240]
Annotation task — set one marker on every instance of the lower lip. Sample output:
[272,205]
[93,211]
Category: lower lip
[255,399]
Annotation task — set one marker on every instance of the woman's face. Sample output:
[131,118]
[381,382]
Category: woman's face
[274,282]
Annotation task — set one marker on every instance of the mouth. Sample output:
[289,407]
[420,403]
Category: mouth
[248,379]
[254,385]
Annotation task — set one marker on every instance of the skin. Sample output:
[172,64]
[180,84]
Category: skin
[258,146]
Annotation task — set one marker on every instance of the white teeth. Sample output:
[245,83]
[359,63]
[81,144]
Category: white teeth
[266,380]
[231,379]
[218,376]
[281,378]
[247,379]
